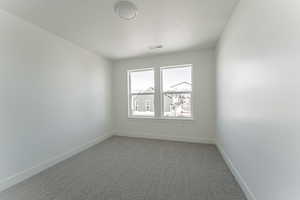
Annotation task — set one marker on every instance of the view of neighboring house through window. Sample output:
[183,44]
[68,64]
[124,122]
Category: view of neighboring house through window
[177,91]
[148,105]
[141,92]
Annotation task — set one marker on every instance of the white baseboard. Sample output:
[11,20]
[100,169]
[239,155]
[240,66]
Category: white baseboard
[166,137]
[249,194]
[23,175]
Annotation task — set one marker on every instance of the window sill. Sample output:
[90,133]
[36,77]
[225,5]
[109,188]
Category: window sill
[162,118]
[140,117]
[177,118]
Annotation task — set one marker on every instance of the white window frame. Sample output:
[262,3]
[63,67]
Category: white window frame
[162,93]
[130,115]
[158,93]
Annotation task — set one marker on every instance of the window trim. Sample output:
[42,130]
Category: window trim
[161,92]
[158,93]
[129,94]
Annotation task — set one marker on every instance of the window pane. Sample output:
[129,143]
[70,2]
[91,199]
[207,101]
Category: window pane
[142,105]
[177,79]
[142,81]
[177,105]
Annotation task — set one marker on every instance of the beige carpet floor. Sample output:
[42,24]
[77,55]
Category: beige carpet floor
[122,168]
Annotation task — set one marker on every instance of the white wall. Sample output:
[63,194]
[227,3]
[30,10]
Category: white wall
[259,96]
[202,129]
[54,97]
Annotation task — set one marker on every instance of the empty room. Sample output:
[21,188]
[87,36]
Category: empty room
[149,99]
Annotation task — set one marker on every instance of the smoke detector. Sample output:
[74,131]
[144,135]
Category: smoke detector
[126,10]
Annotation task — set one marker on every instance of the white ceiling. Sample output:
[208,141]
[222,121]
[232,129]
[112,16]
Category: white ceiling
[92,24]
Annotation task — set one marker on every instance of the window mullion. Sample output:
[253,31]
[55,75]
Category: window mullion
[157,96]
[129,103]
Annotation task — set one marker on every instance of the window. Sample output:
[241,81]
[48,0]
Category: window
[174,92]
[141,92]
[148,105]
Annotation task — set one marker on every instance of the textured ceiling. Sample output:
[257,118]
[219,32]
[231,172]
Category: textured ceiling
[92,24]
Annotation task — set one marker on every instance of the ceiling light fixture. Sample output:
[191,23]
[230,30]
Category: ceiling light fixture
[126,10]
